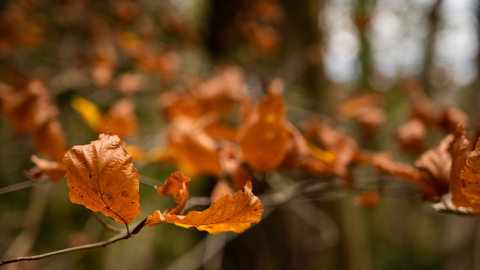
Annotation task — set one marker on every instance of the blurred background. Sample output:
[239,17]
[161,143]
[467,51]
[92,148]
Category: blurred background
[91,55]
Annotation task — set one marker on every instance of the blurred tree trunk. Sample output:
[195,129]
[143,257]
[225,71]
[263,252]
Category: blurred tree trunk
[361,16]
[303,36]
[434,22]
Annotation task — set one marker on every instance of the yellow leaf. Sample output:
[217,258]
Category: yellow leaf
[89,112]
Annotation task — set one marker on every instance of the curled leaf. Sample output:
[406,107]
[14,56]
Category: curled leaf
[434,167]
[229,213]
[101,177]
[178,186]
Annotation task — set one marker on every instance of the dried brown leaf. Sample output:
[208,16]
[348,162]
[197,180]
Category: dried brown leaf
[101,177]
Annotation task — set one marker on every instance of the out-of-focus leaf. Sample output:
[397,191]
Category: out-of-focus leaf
[264,137]
[28,108]
[221,189]
[368,199]
[382,162]
[55,170]
[226,214]
[121,119]
[89,112]
[451,117]
[193,151]
[434,167]
[101,177]
[411,135]
[49,139]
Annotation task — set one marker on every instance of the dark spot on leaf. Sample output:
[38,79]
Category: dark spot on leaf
[90,175]
[124,193]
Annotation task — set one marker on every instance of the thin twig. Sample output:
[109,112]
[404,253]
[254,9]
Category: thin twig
[118,237]
[124,234]
[106,225]
[26,184]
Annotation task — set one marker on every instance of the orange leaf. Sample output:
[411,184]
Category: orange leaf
[101,177]
[382,162]
[220,189]
[368,199]
[193,151]
[470,178]
[411,135]
[178,186]
[55,170]
[226,214]
[28,108]
[264,138]
[459,149]
[49,139]
[121,119]
[434,167]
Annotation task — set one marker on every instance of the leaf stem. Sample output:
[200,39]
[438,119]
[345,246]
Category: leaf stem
[106,225]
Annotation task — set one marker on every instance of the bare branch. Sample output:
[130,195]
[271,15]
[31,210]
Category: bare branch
[25,184]
[118,237]
[122,235]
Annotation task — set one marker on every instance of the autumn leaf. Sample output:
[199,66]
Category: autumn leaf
[49,139]
[411,135]
[450,117]
[264,137]
[382,162]
[434,167]
[220,189]
[459,149]
[88,111]
[366,110]
[368,199]
[55,170]
[423,107]
[470,178]
[101,177]
[28,108]
[229,213]
[193,151]
[178,186]
[339,143]
[121,119]
[297,149]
